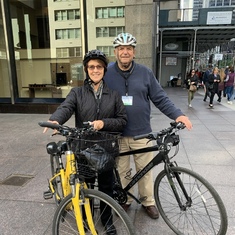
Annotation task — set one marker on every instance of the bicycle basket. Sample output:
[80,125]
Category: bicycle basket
[98,150]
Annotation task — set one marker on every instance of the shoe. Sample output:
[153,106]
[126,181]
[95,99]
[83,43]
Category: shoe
[126,207]
[230,102]
[219,100]
[211,105]
[204,100]
[190,105]
[152,211]
[110,229]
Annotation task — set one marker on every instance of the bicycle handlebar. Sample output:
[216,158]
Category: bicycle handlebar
[49,125]
[154,135]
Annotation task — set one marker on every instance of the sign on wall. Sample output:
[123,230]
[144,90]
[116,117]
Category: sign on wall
[219,17]
[171,61]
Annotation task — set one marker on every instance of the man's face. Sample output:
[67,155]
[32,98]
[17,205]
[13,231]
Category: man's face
[124,56]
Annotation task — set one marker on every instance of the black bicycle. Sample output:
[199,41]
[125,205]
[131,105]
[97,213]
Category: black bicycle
[186,201]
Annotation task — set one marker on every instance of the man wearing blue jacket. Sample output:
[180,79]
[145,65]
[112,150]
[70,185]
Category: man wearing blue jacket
[138,86]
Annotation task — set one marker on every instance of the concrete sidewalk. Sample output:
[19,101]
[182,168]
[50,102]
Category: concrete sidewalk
[208,149]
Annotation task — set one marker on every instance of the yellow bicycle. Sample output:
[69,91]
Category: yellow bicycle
[80,209]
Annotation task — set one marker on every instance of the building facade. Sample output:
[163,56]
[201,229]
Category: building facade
[43,42]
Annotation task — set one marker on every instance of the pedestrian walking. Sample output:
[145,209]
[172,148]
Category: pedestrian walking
[192,82]
[229,83]
[205,81]
[213,84]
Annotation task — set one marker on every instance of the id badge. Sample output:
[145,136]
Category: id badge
[127,100]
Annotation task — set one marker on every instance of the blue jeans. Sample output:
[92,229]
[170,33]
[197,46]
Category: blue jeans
[229,92]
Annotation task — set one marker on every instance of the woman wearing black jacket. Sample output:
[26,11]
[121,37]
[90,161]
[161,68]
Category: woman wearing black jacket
[103,107]
[192,79]
[213,80]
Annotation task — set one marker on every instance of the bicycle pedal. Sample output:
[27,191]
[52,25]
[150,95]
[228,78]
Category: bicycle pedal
[47,195]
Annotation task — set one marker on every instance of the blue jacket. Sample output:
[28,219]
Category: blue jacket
[143,86]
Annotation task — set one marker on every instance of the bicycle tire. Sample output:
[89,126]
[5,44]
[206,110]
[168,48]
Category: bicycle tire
[207,214]
[64,221]
[55,167]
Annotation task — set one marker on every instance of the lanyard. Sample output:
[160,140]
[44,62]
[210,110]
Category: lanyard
[126,75]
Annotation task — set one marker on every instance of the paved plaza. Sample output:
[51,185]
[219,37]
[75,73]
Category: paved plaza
[209,149]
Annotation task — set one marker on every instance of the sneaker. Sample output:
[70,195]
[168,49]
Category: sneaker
[230,102]
[211,105]
[190,105]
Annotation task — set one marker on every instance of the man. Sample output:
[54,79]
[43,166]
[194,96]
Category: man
[137,85]
[205,81]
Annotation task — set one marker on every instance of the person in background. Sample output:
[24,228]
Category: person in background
[221,84]
[229,85]
[191,80]
[100,105]
[226,71]
[213,84]
[138,86]
[205,81]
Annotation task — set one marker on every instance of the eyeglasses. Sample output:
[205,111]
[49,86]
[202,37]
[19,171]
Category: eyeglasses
[92,67]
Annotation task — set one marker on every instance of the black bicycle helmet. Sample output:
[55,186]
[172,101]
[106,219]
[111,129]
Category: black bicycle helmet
[95,54]
[124,39]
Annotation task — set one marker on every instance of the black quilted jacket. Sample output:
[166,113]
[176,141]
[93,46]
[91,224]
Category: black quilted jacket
[81,102]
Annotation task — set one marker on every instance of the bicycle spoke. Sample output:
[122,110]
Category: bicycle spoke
[205,216]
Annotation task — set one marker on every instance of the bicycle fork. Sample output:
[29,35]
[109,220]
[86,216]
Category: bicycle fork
[170,175]
[79,202]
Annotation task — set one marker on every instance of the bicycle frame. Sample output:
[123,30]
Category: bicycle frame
[157,159]
[64,174]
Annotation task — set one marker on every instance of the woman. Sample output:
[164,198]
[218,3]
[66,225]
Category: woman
[213,80]
[191,80]
[221,84]
[103,107]
[229,85]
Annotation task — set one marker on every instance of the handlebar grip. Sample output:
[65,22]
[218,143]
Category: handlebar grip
[143,136]
[49,125]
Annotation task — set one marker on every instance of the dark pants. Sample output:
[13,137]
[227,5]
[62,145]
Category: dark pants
[105,185]
[207,93]
[212,94]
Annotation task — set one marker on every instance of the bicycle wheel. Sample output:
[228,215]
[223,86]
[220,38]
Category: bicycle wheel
[64,221]
[55,168]
[205,214]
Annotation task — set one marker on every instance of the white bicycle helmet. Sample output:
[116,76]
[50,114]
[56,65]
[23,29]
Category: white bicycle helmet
[124,39]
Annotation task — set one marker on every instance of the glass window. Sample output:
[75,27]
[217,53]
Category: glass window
[64,15]
[71,33]
[71,15]
[77,14]
[120,12]
[105,13]
[77,33]
[112,31]
[113,12]
[219,3]
[108,50]
[99,13]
